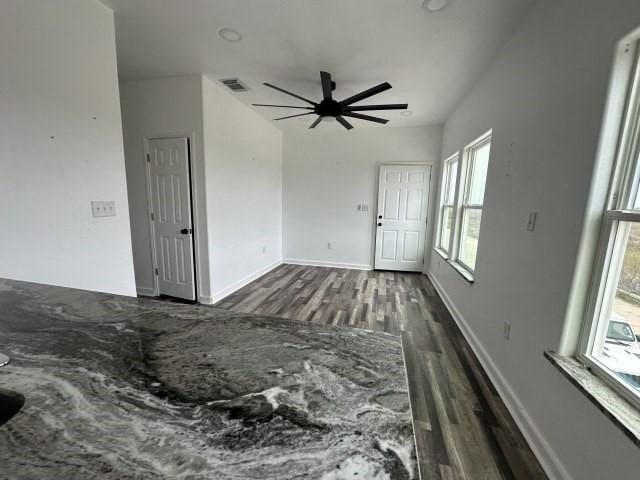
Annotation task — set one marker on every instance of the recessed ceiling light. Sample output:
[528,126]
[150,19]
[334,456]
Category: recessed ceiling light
[434,5]
[230,35]
[406,113]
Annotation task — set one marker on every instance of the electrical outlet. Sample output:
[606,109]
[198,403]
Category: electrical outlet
[329,246]
[103,209]
[506,332]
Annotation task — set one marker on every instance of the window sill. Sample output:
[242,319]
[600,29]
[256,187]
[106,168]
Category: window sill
[441,253]
[464,273]
[624,415]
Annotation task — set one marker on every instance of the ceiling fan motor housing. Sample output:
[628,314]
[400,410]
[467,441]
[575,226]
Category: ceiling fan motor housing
[329,108]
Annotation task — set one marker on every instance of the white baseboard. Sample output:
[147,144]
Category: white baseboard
[543,451]
[205,300]
[314,263]
[225,292]
[146,291]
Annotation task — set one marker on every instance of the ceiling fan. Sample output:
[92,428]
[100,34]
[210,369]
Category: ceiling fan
[328,107]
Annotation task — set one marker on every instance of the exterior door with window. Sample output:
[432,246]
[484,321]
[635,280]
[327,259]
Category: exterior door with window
[170,195]
[401,221]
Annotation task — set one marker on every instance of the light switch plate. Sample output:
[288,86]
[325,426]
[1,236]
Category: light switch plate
[103,208]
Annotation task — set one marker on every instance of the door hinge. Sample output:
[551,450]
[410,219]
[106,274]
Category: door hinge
[148,158]
[156,271]
[153,217]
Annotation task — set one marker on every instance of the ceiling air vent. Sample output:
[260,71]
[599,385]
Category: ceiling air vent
[234,84]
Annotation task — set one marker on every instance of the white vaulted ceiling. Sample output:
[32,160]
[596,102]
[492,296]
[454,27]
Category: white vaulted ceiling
[429,58]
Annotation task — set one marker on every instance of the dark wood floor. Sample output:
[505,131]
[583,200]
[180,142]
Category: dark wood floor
[463,430]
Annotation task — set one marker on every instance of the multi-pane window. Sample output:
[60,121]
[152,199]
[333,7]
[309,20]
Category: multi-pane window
[461,207]
[476,162]
[611,335]
[447,204]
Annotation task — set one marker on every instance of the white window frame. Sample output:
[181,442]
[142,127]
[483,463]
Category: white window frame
[447,167]
[616,219]
[466,174]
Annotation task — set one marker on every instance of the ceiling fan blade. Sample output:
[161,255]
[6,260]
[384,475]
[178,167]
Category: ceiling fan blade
[366,94]
[391,106]
[281,106]
[344,123]
[291,116]
[316,122]
[365,117]
[325,79]
[289,93]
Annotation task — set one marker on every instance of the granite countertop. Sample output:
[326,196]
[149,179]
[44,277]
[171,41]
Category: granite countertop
[123,388]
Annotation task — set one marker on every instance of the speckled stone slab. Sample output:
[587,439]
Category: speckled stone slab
[122,388]
[623,414]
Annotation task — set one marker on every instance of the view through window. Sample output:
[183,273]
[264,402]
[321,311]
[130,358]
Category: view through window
[618,345]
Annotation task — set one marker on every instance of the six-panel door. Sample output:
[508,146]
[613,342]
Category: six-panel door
[403,194]
[172,223]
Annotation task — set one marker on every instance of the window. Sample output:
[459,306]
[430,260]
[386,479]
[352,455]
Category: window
[610,342]
[476,163]
[447,204]
[460,213]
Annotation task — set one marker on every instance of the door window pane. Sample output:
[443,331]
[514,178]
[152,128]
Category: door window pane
[478,172]
[616,344]
[469,236]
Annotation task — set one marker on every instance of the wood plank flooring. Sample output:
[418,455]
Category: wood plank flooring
[463,429]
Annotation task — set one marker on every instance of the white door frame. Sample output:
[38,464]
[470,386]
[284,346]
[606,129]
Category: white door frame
[428,229]
[195,210]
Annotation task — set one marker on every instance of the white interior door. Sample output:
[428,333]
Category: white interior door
[170,190]
[403,197]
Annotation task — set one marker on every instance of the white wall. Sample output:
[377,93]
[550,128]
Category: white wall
[61,147]
[243,156]
[327,173]
[543,96]
[158,108]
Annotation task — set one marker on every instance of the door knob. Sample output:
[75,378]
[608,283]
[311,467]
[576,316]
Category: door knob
[379,224]
[185,231]
[379,216]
